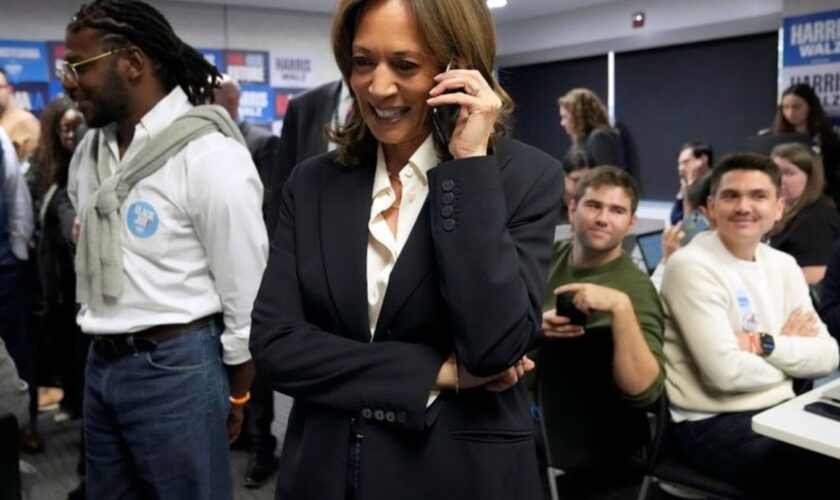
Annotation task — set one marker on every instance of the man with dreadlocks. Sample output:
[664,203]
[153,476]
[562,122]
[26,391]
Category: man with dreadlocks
[171,251]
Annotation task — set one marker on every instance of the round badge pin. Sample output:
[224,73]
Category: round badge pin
[142,219]
[750,323]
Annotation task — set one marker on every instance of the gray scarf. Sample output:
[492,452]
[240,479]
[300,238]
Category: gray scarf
[99,260]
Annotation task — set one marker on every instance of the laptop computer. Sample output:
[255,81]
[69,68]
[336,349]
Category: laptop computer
[832,394]
[765,143]
[650,245]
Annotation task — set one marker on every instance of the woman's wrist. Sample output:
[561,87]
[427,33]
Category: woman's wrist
[447,377]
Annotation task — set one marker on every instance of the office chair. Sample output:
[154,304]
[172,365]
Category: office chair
[9,458]
[587,428]
[667,464]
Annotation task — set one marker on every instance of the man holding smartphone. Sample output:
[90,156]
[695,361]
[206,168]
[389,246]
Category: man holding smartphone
[592,275]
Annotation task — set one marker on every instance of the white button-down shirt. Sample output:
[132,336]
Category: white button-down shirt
[383,246]
[18,201]
[193,238]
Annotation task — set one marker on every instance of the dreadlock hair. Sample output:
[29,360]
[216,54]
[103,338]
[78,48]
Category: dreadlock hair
[124,22]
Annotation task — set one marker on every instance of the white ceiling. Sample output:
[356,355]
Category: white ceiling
[516,10]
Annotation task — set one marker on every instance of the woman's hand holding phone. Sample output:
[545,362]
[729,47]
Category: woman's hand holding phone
[479,105]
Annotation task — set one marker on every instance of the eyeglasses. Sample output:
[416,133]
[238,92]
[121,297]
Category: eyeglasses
[67,70]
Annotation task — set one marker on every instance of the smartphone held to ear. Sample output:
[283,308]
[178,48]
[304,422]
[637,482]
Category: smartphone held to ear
[566,308]
[445,116]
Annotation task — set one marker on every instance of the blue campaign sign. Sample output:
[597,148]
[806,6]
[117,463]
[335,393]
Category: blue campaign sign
[55,89]
[812,39]
[214,57]
[247,66]
[33,96]
[56,51]
[24,61]
[256,104]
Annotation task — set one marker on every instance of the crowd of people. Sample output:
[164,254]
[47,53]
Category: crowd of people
[412,283]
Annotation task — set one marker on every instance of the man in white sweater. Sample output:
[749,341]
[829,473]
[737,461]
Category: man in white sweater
[739,327]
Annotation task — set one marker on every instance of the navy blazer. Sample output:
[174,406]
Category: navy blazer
[302,137]
[470,279]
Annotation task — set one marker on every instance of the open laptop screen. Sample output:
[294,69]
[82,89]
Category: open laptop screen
[650,244]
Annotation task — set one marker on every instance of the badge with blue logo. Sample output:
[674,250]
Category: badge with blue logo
[142,219]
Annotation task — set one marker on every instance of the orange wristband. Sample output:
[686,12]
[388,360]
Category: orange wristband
[241,401]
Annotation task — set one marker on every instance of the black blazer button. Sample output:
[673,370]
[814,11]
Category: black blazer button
[402,416]
[447,184]
[379,415]
[447,210]
[390,416]
[448,198]
[449,224]
[367,413]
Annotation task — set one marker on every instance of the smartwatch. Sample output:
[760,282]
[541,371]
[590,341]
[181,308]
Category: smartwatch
[767,343]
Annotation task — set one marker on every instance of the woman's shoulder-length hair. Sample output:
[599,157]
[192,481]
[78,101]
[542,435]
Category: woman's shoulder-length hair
[587,110]
[811,165]
[460,30]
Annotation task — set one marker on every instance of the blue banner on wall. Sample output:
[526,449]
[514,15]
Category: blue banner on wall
[247,66]
[33,96]
[214,57]
[55,89]
[811,55]
[256,104]
[55,52]
[24,61]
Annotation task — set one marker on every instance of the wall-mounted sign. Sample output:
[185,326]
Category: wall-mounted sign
[811,55]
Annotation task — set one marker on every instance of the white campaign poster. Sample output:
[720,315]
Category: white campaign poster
[293,70]
[811,55]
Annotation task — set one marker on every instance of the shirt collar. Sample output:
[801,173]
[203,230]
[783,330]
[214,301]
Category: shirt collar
[424,159]
[165,111]
[158,118]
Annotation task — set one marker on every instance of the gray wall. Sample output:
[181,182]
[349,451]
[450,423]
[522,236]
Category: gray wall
[200,25]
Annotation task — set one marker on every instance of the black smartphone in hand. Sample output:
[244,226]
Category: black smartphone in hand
[445,116]
[566,308]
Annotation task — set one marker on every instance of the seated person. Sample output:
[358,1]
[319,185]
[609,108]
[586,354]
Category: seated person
[607,286]
[694,160]
[576,162]
[681,233]
[829,307]
[810,223]
[608,370]
[739,326]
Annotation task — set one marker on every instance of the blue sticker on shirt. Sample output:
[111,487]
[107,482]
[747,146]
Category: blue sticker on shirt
[142,219]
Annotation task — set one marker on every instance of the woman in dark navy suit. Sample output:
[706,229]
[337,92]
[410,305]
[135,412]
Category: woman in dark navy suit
[405,278]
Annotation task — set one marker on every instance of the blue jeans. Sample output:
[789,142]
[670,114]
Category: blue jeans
[14,329]
[155,422]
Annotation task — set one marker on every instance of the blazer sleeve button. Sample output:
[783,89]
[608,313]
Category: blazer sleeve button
[390,417]
[447,184]
[448,198]
[449,224]
[379,415]
[402,416]
[367,413]
[447,210]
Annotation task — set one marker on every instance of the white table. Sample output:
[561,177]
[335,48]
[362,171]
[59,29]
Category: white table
[789,422]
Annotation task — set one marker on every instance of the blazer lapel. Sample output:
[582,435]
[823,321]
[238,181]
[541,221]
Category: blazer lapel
[345,211]
[415,261]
